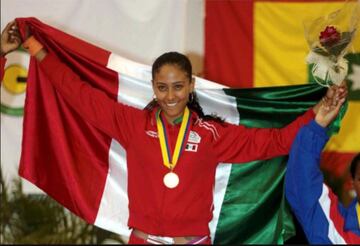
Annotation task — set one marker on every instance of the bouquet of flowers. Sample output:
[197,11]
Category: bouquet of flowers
[329,38]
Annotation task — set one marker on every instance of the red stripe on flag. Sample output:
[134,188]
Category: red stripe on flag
[229,62]
[62,153]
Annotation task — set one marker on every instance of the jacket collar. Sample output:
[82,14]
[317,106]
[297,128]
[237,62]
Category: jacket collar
[193,117]
[351,218]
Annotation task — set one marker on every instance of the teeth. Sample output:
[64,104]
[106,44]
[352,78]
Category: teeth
[171,104]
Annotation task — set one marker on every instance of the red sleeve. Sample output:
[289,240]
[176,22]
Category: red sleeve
[2,66]
[94,106]
[239,144]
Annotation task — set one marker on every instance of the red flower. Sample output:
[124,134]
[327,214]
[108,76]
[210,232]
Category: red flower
[329,36]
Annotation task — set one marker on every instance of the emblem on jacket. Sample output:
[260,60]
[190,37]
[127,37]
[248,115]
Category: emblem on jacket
[194,137]
[193,141]
[152,134]
[191,147]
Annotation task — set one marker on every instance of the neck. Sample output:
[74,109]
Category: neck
[174,120]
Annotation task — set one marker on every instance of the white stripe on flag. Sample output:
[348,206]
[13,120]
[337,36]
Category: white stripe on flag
[215,100]
[325,204]
[135,90]
[221,180]
[113,212]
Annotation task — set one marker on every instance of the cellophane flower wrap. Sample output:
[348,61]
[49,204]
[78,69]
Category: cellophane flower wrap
[330,38]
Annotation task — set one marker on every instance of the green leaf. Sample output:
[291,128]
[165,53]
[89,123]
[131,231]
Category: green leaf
[320,51]
[342,44]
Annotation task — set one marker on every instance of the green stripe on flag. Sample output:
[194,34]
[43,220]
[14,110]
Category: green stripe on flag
[254,209]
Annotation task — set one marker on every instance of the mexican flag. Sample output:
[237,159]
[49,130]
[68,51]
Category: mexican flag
[85,170]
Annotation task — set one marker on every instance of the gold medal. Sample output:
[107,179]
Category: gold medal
[171,180]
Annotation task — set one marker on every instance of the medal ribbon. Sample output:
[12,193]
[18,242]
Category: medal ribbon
[358,212]
[164,144]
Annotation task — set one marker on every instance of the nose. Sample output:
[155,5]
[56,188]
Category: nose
[170,95]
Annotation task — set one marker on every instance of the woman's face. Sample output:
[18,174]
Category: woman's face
[172,87]
[356,181]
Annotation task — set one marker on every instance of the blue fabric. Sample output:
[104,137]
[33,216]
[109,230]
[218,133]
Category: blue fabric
[351,221]
[304,186]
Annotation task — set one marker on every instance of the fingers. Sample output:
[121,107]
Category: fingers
[11,27]
[342,92]
[10,38]
[15,40]
[343,89]
[328,112]
[8,26]
[330,103]
[11,32]
[336,109]
[14,34]
[326,104]
[330,93]
[336,93]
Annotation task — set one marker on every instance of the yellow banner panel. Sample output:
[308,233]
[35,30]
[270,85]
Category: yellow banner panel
[280,47]
[348,139]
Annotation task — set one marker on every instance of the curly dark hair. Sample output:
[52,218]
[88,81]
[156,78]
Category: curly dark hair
[184,64]
[354,164]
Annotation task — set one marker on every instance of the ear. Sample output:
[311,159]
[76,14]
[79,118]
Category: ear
[192,84]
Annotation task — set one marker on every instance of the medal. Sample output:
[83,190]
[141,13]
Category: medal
[171,180]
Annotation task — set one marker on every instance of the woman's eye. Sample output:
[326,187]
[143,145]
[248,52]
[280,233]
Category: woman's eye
[178,87]
[161,88]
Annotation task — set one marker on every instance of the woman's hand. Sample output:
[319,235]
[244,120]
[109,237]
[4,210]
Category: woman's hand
[330,105]
[10,38]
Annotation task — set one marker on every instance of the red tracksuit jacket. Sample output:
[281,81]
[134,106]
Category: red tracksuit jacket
[155,209]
